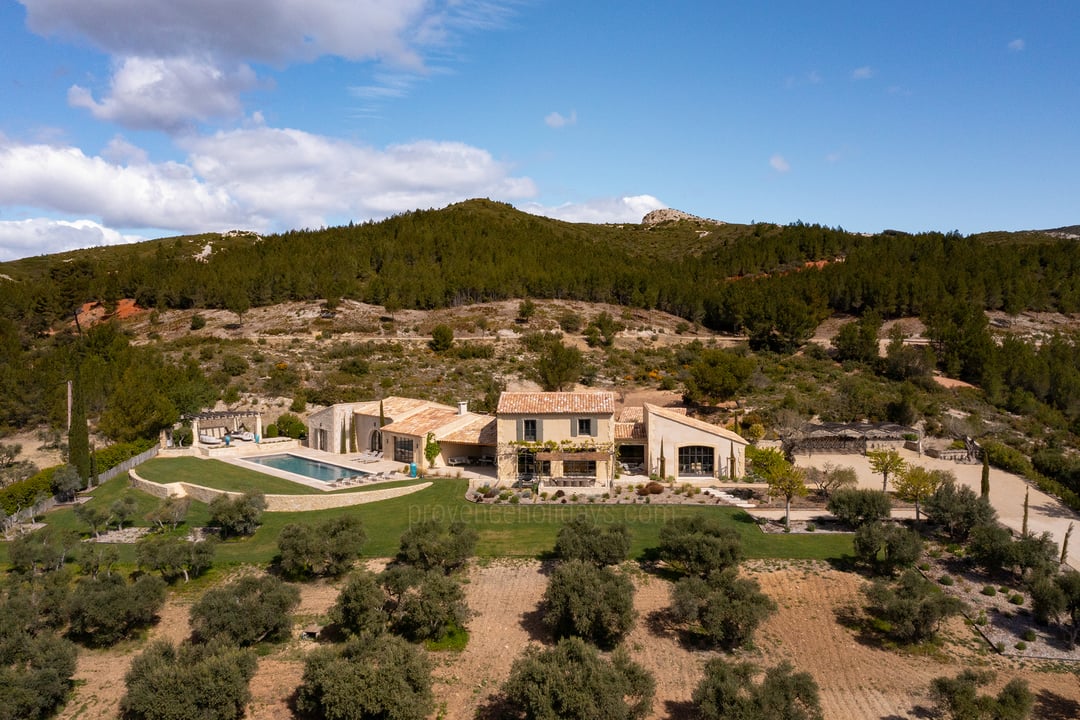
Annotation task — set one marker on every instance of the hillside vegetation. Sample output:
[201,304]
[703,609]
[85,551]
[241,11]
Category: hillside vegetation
[381,286]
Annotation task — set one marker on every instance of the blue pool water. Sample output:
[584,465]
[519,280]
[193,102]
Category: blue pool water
[313,469]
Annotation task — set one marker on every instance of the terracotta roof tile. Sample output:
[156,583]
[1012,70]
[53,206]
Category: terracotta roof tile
[556,403]
[421,423]
[670,414]
[630,431]
[480,431]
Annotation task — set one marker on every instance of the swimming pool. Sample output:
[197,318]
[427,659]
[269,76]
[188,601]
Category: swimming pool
[314,469]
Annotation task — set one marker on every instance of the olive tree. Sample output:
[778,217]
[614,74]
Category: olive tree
[171,513]
[237,516]
[35,674]
[699,545]
[572,681]
[66,483]
[424,605]
[189,682]
[728,692]
[856,507]
[723,609]
[830,478]
[359,609]
[245,612]
[326,548]
[958,509]
[886,547]
[583,539]
[173,556]
[595,603]
[912,608]
[107,609]
[957,698]
[431,544]
[383,678]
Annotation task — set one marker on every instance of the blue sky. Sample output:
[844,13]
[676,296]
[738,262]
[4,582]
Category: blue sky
[129,119]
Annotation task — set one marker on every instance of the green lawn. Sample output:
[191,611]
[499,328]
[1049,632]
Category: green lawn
[219,475]
[224,476]
[505,530]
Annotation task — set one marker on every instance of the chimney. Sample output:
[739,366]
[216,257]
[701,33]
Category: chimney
[462,407]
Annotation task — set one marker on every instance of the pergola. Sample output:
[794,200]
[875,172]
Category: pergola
[224,421]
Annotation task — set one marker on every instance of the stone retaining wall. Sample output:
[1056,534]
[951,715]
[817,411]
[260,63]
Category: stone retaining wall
[274,503]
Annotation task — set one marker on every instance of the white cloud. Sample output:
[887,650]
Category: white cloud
[183,60]
[779,164]
[43,236]
[63,179]
[626,209]
[301,179]
[1016,45]
[260,178]
[166,94]
[268,31]
[862,73]
[120,152]
[557,120]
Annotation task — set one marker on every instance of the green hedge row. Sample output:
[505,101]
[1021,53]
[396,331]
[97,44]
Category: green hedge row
[110,457]
[23,494]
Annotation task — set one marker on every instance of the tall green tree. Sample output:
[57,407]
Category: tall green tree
[916,483]
[79,435]
[859,340]
[887,462]
[717,375]
[558,367]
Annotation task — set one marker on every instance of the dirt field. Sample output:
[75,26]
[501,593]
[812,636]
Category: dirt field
[859,681]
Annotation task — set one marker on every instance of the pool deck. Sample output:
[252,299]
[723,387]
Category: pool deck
[377,471]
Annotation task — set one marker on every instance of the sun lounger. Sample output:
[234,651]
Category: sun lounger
[209,440]
[458,460]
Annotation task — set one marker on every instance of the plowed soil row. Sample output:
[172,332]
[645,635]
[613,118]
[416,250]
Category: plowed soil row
[859,680]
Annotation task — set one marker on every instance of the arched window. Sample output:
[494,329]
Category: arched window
[696,460]
[375,441]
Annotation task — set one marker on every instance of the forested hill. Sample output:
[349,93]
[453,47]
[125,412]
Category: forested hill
[775,282]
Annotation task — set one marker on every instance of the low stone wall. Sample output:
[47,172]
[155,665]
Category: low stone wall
[293,503]
[274,503]
[153,488]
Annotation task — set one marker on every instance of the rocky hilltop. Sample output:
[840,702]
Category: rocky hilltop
[671,215]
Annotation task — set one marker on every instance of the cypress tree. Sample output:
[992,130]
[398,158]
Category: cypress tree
[1024,527]
[985,488]
[1065,544]
[79,434]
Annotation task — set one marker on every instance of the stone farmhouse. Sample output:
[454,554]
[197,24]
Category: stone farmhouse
[555,439]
